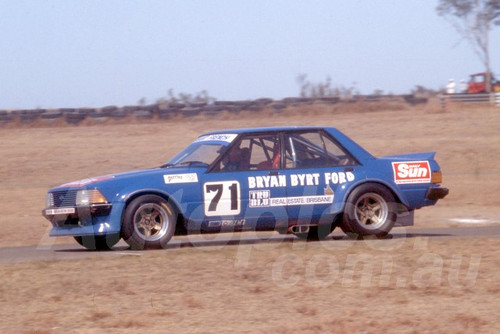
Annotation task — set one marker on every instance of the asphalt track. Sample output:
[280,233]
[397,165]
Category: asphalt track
[45,252]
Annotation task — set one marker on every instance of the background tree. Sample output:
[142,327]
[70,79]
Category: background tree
[473,19]
[324,89]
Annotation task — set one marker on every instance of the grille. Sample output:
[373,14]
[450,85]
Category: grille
[64,198]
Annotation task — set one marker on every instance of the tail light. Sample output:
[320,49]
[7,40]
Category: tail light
[437,177]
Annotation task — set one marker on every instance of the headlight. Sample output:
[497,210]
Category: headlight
[87,197]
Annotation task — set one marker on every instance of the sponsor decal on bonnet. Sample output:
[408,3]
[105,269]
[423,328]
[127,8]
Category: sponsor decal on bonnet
[181,178]
[406,172]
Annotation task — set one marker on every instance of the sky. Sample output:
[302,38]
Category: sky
[95,53]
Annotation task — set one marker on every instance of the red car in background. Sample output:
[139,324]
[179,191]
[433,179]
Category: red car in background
[477,84]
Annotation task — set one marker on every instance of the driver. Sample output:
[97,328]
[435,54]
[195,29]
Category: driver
[233,159]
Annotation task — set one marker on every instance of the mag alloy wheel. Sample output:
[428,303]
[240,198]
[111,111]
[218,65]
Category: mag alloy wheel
[149,221]
[371,211]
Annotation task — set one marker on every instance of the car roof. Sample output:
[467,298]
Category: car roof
[359,153]
[265,129]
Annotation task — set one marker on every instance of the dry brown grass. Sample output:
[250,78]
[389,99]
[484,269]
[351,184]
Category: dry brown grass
[408,285]
[334,286]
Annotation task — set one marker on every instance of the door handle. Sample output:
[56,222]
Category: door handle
[349,169]
[274,172]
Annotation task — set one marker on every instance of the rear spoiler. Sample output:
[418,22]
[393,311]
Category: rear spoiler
[411,156]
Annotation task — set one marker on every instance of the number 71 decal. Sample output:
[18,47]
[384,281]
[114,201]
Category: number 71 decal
[222,198]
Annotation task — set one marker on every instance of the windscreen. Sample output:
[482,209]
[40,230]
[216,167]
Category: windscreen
[203,151]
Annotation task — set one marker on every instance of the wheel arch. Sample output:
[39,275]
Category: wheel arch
[397,195]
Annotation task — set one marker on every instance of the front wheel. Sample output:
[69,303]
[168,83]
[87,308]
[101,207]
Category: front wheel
[319,232]
[149,222]
[370,210]
[98,242]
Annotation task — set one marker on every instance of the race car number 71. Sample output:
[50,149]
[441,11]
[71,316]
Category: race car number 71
[222,198]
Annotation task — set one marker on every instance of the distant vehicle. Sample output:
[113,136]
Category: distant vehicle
[477,84]
[299,180]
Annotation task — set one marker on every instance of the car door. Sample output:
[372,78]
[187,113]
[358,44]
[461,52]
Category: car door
[317,168]
[238,190]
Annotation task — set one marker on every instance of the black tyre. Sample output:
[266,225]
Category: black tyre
[319,232]
[98,242]
[148,223]
[370,210]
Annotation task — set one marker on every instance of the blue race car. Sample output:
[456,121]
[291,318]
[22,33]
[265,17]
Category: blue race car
[299,180]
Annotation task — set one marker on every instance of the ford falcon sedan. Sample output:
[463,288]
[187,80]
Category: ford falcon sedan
[304,181]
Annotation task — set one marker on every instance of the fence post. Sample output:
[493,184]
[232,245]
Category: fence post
[442,99]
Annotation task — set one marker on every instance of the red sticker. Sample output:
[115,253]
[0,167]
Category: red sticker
[411,172]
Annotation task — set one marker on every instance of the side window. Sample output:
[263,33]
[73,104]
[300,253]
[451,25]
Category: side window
[314,149]
[255,152]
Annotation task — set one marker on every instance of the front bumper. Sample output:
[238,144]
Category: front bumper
[76,215]
[437,193]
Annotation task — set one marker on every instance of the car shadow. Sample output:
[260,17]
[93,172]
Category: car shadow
[215,240]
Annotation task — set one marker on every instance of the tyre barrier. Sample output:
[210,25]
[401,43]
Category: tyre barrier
[5,117]
[177,105]
[198,104]
[143,114]
[86,111]
[213,110]
[75,118]
[278,107]
[224,103]
[264,101]
[51,115]
[29,116]
[189,111]
[329,100]
[119,114]
[167,110]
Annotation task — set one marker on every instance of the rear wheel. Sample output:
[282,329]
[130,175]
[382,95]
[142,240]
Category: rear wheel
[149,222]
[370,210]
